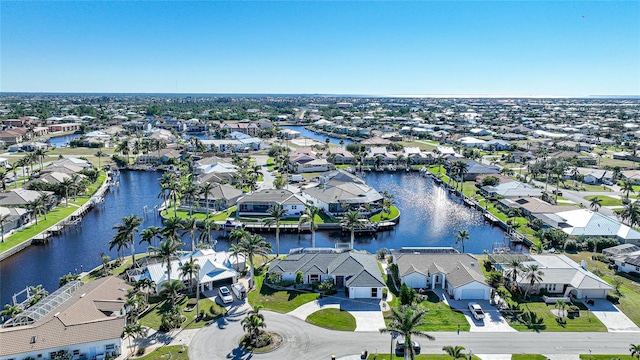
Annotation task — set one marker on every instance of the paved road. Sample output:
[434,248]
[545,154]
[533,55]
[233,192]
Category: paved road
[304,341]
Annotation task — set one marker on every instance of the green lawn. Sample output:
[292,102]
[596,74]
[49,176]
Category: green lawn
[58,214]
[281,301]
[441,317]
[174,352]
[423,341]
[333,319]
[153,317]
[630,302]
[586,322]
[606,357]
[606,200]
[529,357]
[218,216]
[393,213]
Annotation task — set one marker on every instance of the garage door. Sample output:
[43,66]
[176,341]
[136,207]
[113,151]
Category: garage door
[468,294]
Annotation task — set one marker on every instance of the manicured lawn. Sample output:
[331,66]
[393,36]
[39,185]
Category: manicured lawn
[586,322]
[153,318]
[606,357]
[441,317]
[53,217]
[607,201]
[219,216]
[281,301]
[418,357]
[529,357]
[333,319]
[630,302]
[175,352]
[393,213]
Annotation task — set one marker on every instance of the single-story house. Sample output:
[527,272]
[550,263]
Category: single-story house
[459,275]
[629,263]
[84,321]
[220,197]
[259,202]
[355,270]
[620,250]
[216,269]
[510,189]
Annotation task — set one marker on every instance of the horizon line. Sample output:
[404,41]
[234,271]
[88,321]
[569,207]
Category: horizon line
[405,96]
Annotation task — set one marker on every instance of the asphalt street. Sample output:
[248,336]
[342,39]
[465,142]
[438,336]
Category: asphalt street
[305,341]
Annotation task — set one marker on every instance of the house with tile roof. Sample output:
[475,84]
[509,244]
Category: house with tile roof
[259,202]
[84,320]
[356,271]
[459,275]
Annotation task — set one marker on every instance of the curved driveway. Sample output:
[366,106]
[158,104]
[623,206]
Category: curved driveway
[305,341]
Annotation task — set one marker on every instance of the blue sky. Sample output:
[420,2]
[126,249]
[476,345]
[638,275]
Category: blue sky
[559,48]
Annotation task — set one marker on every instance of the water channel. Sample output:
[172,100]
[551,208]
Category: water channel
[430,217]
[63,140]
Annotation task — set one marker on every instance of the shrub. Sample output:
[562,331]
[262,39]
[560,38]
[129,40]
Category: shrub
[613,298]
[407,295]
[273,278]
[141,351]
[385,293]
[570,245]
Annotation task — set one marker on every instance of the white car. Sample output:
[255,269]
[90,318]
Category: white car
[476,311]
[225,295]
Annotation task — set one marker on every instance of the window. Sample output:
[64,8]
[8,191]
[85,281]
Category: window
[294,207]
[76,352]
[110,347]
[374,292]
[313,278]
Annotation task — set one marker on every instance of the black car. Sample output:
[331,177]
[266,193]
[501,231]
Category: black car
[400,347]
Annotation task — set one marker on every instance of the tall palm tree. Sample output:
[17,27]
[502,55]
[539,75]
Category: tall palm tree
[149,235]
[120,243]
[351,221]
[36,208]
[627,187]
[251,246]
[513,270]
[66,185]
[630,213]
[190,226]
[167,252]
[596,203]
[533,275]
[277,213]
[209,224]
[4,218]
[309,216]
[205,188]
[635,350]
[191,269]
[406,321]
[171,227]
[461,237]
[127,230]
[99,154]
[171,290]
[456,352]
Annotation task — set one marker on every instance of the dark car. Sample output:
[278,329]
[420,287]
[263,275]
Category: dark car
[400,347]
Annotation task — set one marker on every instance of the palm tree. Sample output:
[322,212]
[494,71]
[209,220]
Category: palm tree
[251,246]
[120,243]
[351,220]
[149,234]
[209,224]
[627,187]
[3,178]
[189,226]
[99,154]
[66,185]
[205,189]
[105,261]
[461,236]
[36,207]
[171,227]
[3,220]
[596,203]
[534,275]
[171,290]
[277,213]
[630,213]
[145,284]
[10,311]
[406,322]
[456,352]
[635,350]
[309,216]
[191,269]
[514,269]
[253,323]
[166,252]
[40,154]
[127,231]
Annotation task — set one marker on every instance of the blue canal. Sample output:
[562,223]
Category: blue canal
[61,141]
[430,216]
[317,136]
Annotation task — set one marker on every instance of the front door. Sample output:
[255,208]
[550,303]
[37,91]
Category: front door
[339,281]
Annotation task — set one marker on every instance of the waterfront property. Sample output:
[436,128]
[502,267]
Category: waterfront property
[259,202]
[83,321]
[216,269]
[457,274]
[356,271]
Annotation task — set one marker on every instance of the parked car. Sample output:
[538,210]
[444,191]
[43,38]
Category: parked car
[400,347]
[476,311]
[225,295]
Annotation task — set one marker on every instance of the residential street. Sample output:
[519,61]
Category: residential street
[304,341]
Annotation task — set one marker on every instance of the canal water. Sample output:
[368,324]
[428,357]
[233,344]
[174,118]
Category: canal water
[430,216]
[61,141]
[316,136]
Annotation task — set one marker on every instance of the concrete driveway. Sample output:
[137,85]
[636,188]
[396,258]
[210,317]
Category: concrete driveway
[614,319]
[367,312]
[493,319]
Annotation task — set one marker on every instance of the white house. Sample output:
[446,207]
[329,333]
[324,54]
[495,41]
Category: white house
[457,274]
[259,202]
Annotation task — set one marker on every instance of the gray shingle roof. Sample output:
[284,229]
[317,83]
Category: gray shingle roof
[459,269]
